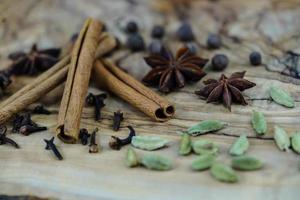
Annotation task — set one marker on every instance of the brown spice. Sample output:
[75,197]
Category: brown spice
[225,89]
[169,72]
[77,81]
[112,78]
[46,82]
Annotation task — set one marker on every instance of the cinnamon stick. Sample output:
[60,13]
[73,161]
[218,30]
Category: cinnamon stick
[78,81]
[47,81]
[168,109]
[108,76]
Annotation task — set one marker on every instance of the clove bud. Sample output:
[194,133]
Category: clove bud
[98,102]
[6,140]
[117,143]
[118,118]
[40,109]
[84,136]
[28,129]
[51,146]
[93,145]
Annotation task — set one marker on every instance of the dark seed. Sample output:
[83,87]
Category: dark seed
[185,32]
[135,43]
[84,136]
[192,47]
[219,62]
[155,47]
[132,27]
[214,41]
[158,32]
[255,58]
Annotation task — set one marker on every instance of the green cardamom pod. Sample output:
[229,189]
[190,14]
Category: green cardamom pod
[246,163]
[295,141]
[156,162]
[205,127]
[281,138]
[185,147]
[203,162]
[203,146]
[131,158]
[282,97]
[149,143]
[224,173]
[240,146]
[259,122]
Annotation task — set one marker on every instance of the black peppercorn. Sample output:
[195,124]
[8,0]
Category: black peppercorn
[185,32]
[214,41]
[192,47]
[158,32]
[135,42]
[255,58]
[132,27]
[155,47]
[219,62]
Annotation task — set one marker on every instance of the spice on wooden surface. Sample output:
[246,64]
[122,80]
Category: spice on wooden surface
[82,60]
[170,73]
[110,77]
[47,81]
[226,90]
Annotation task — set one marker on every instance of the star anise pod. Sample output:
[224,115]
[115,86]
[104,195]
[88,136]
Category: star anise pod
[226,90]
[33,62]
[169,72]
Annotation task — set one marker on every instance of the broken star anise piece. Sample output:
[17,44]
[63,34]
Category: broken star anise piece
[33,62]
[169,72]
[226,90]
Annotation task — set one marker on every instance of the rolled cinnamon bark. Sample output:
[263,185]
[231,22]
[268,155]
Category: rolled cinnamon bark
[124,89]
[167,107]
[44,83]
[78,81]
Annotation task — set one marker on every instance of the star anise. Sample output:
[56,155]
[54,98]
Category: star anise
[169,72]
[226,90]
[33,62]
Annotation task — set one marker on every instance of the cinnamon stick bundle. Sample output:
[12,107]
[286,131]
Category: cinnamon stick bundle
[47,81]
[76,87]
[109,76]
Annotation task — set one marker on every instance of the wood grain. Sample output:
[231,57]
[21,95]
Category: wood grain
[269,26]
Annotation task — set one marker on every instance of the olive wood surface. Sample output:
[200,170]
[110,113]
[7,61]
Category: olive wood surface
[269,26]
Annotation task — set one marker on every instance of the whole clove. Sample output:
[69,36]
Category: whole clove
[6,140]
[118,118]
[98,102]
[24,125]
[117,143]
[84,136]
[51,146]
[21,120]
[40,109]
[28,129]
[93,145]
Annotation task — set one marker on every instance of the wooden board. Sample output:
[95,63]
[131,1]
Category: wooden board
[271,27]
